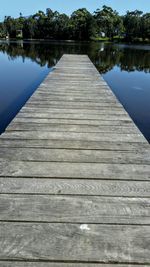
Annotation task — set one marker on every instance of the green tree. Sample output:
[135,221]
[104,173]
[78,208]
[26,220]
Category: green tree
[2,30]
[40,19]
[145,26]
[49,24]
[61,26]
[109,21]
[30,27]
[82,24]
[132,23]
[10,26]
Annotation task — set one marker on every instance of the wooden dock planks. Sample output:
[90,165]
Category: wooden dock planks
[74,177]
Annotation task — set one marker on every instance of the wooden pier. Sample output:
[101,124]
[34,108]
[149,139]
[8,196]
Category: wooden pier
[74,177]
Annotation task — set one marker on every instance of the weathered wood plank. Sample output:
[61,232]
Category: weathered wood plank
[77,104]
[102,111]
[99,137]
[78,116]
[80,105]
[74,187]
[71,99]
[54,264]
[75,155]
[71,209]
[72,122]
[70,91]
[74,170]
[20,126]
[75,242]
[15,141]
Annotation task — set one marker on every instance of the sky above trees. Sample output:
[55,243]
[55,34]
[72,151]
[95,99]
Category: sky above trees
[28,7]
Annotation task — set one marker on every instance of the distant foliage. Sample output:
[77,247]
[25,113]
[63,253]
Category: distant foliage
[81,25]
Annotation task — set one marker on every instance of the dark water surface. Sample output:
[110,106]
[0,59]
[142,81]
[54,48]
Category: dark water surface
[23,65]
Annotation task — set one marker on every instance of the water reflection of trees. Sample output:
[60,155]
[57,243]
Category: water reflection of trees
[127,59]
[105,57]
[132,60]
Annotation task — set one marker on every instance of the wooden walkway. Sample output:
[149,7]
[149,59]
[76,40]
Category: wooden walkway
[74,177]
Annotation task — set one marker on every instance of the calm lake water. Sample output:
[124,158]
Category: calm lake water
[23,65]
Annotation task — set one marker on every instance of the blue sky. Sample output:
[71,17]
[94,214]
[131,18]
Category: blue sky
[28,7]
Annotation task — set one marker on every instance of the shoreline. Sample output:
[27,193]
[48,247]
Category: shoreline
[78,41]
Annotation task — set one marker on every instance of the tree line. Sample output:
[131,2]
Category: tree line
[81,25]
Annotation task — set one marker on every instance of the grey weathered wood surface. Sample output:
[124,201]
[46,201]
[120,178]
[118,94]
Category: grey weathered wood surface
[74,177]
[69,155]
[54,264]
[74,170]
[76,242]
[80,209]
[74,187]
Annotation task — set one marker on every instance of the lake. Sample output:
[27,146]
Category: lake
[126,68]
